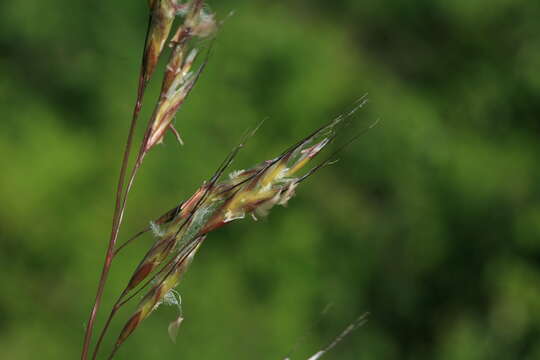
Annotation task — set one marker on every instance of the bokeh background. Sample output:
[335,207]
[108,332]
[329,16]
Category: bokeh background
[431,221]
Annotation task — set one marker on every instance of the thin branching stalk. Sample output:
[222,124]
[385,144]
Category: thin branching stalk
[117,215]
[358,322]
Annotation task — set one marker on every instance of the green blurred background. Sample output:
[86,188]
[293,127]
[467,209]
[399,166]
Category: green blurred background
[431,221]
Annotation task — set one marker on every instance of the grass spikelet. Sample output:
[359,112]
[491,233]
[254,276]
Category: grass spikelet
[172,274]
[162,14]
[179,79]
[254,191]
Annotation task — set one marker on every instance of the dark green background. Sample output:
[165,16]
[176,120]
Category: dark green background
[431,221]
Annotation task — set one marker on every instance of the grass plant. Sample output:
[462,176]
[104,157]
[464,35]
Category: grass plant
[180,232]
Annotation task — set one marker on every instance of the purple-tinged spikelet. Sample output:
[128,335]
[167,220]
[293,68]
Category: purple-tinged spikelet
[253,191]
[179,78]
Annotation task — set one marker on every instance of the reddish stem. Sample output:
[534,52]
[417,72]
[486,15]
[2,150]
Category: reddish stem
[117,220]
[115,308]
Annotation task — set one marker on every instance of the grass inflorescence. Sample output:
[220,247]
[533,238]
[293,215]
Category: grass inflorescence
[180,232]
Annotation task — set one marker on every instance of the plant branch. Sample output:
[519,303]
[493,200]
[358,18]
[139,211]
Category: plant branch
[115,308]
[117,217]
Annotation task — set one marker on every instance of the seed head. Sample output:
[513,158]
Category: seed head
[179,77]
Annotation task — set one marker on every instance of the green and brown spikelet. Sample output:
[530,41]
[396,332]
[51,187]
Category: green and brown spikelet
[179,79]
[182,230]
[172,274]
[162,14]
[196,22]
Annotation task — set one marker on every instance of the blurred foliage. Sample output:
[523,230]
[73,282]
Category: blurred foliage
[431,222]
